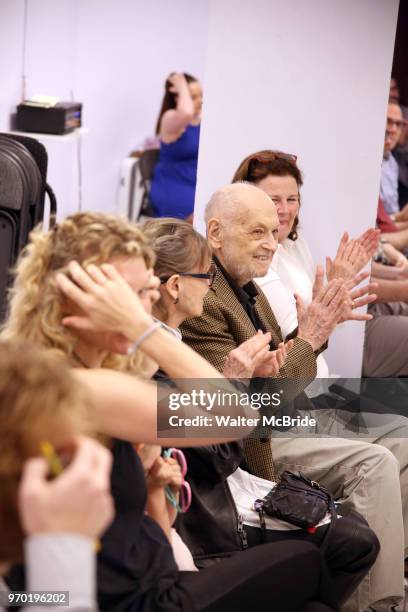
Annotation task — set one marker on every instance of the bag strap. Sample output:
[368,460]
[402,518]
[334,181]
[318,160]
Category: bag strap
[53,204]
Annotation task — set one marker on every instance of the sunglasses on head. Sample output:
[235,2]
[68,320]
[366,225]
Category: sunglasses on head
[266,158]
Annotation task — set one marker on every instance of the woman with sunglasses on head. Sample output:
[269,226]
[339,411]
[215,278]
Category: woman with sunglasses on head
[380,457]
[279,176]
[84,290]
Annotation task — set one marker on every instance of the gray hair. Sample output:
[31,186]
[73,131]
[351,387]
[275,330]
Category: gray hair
[225,203]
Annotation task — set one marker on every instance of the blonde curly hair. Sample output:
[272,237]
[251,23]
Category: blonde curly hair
[35,302]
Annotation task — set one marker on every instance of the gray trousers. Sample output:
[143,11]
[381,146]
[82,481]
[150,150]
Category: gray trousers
[370,475]
[386,339]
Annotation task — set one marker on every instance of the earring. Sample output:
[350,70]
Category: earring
[176,301]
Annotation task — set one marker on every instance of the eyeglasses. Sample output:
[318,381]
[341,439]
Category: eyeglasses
[397,122]
[209,276]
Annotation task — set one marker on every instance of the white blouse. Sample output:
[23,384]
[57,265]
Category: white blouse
[295,267]
[292,271]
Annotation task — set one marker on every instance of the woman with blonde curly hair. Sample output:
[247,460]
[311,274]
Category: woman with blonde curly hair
[89,276]
[85,291]
[36,308]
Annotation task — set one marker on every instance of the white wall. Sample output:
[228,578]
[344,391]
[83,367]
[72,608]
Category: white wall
[126,48]
[309,78]
[112,55]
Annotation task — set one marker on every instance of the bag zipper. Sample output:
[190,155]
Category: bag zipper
[317,491]
[241,532]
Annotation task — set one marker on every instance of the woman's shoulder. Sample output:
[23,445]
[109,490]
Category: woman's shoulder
[188,131]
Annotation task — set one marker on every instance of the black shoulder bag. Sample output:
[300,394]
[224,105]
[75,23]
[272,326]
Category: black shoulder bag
[300,501]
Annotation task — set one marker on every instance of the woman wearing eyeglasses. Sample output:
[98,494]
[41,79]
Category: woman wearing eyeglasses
[223,490]
[186,273]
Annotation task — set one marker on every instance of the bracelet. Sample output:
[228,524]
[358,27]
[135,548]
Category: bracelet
[149,331]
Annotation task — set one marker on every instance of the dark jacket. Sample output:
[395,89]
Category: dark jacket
[212,528]
[224,325]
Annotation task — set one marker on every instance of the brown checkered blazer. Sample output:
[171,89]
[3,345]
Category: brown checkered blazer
[224,325]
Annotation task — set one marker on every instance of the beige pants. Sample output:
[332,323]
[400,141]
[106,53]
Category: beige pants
[370,475]
[385,344]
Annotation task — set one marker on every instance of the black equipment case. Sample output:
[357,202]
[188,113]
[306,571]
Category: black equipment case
[23,170]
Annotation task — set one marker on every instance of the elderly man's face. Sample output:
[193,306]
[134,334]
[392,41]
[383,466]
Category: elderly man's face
[250,240]
[393,128]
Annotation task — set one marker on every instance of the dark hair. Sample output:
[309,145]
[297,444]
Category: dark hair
[258,166]
[394,100]
[170,98]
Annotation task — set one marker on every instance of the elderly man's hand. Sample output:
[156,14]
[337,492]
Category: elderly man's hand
[316,323]
[242,361]
[274,361]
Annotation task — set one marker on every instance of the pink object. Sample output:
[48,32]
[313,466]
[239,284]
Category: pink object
[185,489]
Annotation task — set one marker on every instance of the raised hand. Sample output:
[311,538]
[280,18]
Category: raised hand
[164,471]
[318,284]
[369,242]
[77,501]
[274,361]
[242,361]
[358,298]
[106,300]
[352,255]
[344,264]
[316,323]
[178,82]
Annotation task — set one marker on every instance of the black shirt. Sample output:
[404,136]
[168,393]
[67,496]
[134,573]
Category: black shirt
[246,296]
[136,567]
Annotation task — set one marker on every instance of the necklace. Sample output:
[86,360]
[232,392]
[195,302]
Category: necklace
[80,360]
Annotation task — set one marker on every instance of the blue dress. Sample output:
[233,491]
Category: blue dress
[175,175]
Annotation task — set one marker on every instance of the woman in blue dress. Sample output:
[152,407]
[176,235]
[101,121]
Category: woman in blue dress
[178,126]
